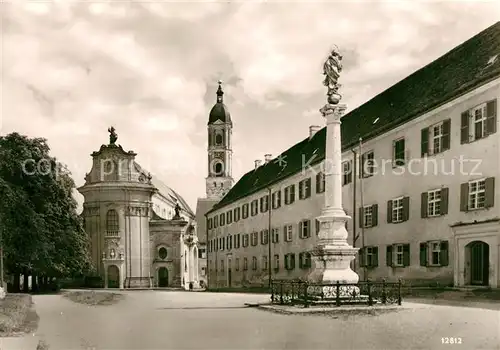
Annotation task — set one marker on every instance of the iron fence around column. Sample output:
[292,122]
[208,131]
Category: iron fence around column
[299,292]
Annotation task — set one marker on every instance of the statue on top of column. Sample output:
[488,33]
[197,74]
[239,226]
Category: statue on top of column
[112,135]
[331,69]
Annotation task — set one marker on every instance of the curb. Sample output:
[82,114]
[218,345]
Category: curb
[293,310]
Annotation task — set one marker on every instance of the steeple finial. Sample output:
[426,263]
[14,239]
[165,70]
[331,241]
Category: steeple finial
[219,92]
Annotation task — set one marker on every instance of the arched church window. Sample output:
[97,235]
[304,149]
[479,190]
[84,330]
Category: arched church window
[112,226]
[218,139]
[162,253]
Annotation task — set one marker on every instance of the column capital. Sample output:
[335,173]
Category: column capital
[333,113]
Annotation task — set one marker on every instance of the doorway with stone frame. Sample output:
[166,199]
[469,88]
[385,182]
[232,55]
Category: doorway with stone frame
[163,277]
[477,256]
[113,276]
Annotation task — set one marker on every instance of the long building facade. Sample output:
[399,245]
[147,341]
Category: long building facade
[142,233]
[421,165]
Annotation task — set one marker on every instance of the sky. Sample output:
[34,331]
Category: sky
[72,69]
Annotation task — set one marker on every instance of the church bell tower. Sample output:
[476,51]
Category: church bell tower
[220,128]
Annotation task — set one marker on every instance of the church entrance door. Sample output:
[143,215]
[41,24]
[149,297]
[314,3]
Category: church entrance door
[162,277]
[113,277]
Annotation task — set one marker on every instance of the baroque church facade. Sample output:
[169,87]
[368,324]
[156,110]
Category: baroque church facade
[142,233]
[219,180]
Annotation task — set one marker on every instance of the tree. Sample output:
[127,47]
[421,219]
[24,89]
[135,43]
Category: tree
[42,232]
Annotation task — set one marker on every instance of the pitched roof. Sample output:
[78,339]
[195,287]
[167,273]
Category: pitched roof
[202,207]
[168,192]
[459,71]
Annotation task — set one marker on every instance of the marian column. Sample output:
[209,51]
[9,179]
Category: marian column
[332,255]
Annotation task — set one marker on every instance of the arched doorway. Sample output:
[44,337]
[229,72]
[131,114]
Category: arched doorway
[113,277]
[162,277]
[477,259]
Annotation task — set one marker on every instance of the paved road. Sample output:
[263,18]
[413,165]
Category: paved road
[182,320]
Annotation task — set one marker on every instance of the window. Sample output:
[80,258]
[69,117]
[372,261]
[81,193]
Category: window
[264,263]
[369,257]
[264,236]
[210,223]
[236,214]
[287,232]
[320,182]
[218,139]
[436,133]
[304,260]
[237,241]
[229,217]
[477,194]
[290,194]
[264,204]
[202,253]
[276,262]
[275,235]
[398,210]
[305,228]
[434,253]
[218,169]
[245,210]
[318,226]
[398,152]
[398,255]
[347,172]
[112,225]
[223,243]
[434,203]
[255,238]
[254,205]
[290,261]
[479,122]
[398,261]
[222,265]
[162,253]
[245,264]
[276,199]
[367,164]
[254,263]
[222,219]
[229,242]
[245,240]
[237,264]
[368,216]
[216,221]
[305,188]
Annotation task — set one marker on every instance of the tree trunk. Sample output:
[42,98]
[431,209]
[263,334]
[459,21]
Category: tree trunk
[17,282]
[26,287]
[34,283]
